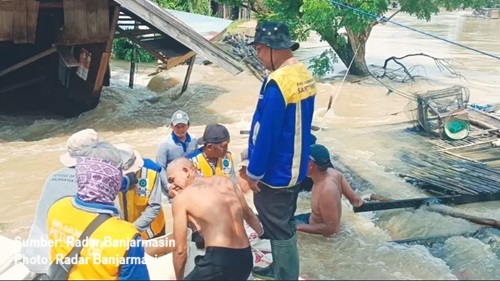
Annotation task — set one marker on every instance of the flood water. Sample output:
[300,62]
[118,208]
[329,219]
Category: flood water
[354,131]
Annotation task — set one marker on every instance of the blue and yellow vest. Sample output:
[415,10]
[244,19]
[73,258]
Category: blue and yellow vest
[223,167]
[65,220]
[134,201]
[287,165]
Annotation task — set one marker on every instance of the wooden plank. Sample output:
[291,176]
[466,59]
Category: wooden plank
[170,25]
[19,28]
[104,64]
[418,202]
[6,20]
[97,20]
[91,19]
[32,20]
[174,61]
[103,21]
[66,56]
[23,83]
[144,45]
[51,4]
[28,61]
[75,21]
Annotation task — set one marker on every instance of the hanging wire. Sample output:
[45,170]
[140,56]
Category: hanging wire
[384,19]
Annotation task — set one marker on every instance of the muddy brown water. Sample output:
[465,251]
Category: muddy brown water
[354,130]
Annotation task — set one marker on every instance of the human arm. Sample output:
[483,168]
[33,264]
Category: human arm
[248,214]
[134,270]
[267,132]
[328,208]
[152,210]
[180,217]
[349,193]
[161,160]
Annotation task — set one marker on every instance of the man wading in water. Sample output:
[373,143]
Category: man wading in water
[329,186]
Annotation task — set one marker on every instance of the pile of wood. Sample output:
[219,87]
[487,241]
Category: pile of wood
[246,54]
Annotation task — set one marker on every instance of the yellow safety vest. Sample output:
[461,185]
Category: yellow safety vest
[106,247]
[134,201]
[223,167]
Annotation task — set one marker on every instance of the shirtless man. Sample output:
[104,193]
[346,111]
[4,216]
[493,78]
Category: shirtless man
[217,205]
[329,185]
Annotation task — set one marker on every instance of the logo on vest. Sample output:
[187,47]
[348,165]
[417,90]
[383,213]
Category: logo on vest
[143,187]
[226,169]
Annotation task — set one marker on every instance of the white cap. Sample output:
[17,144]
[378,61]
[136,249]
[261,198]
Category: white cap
[132,160]
[179,117]
[77,144]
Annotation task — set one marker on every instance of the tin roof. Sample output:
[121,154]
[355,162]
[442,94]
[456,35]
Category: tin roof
[206,26]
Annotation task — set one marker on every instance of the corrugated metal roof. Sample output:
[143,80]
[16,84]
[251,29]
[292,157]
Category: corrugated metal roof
[206,26]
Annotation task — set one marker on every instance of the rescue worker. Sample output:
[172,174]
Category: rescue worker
[212,159]
[140,204]
[177,144]
[60,184]
[98,184]
[278,145]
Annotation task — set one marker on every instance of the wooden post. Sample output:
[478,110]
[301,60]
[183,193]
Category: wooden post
[188,74]
[106,55]
[133,60]
[132,66]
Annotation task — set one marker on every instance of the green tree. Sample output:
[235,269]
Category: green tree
[344,30]
[193,6]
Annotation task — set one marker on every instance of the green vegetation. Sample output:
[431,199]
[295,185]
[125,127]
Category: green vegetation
[122,47]
[344,30]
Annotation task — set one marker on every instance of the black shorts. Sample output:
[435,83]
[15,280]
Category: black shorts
[276,208]
[220,263]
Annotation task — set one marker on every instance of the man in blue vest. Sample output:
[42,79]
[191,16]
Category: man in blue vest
[278,146]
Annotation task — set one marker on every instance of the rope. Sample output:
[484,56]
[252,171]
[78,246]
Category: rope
[330,104]
[384,19]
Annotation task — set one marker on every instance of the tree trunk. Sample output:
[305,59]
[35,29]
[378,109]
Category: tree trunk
[354,47]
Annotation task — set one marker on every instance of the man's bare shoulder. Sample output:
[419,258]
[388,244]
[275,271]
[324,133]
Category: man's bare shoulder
[331,182]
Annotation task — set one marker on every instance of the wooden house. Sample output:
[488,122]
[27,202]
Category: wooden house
[55,53]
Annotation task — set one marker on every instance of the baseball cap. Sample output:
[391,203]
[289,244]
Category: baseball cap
[76,146]
[132,160]
[320,155]
[179,117]
[214,133]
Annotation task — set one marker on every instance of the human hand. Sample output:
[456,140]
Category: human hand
[358,202]
[253,185]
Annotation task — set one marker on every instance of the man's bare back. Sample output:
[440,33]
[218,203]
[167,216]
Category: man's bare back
[218,208]
[327,191]
[326,204]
